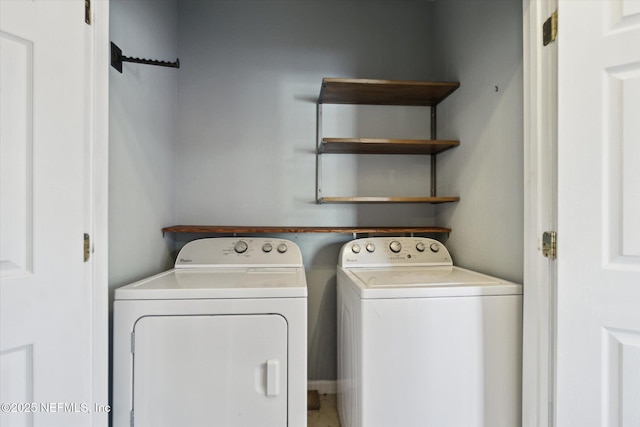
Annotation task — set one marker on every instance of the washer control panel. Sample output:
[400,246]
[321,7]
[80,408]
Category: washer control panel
[239,251]
[386,251]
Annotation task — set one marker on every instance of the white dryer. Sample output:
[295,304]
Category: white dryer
[422,342]
[220,340]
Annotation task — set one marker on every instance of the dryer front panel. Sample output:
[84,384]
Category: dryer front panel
[209,370]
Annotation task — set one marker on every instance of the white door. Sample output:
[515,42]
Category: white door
[47,350]
[598,366]
[198,371]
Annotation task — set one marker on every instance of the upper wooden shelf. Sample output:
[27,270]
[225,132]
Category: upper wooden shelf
[225,229]
[384,146]
[384,92]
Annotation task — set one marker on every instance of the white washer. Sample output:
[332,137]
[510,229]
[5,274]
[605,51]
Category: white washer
[422,342]
[218,340]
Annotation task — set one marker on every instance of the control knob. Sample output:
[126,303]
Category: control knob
[241,247]
[434,247]
[282,248]
[267,247]
[371,247]
[420,247]
[395,246]
[355,248]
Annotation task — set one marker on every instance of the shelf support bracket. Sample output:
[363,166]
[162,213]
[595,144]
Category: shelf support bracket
[117,58]
[318,154]
[433,156]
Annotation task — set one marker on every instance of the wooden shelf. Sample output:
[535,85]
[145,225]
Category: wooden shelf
[384,92]
[384,146]
[431,200]
[226,229]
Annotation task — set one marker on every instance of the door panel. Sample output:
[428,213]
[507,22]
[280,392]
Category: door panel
[16,371]
[622,175]
[16,190]
[16,179]
[622,377]
[45,291]
[598,374]
[196,371]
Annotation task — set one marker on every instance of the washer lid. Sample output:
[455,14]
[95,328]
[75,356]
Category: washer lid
[423,282]
[215,283]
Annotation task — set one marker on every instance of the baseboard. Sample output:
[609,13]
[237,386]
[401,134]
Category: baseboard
[323,386]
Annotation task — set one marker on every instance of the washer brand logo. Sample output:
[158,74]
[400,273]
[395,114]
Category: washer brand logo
[185,260]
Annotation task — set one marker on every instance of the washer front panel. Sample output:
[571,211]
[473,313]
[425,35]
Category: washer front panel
[429,361]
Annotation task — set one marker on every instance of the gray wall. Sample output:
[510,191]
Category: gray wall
[247,108]
[237,124]
[479,44]
[142,126]
[247,96]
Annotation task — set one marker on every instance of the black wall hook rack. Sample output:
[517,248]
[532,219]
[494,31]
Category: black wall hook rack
[117,59]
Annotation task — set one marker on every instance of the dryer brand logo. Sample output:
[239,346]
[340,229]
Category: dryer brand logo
[185,260]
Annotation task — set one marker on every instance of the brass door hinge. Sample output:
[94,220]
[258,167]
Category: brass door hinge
[87,12]
[87,247]
[550,29]
[550,244]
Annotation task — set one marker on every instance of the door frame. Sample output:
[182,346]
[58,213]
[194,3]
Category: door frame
[539,273]
[97,175]
[540,214]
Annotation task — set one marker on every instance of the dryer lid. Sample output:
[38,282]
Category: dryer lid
[216,283]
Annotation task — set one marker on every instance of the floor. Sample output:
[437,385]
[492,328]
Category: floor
[327,415]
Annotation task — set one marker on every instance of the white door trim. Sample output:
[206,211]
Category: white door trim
[540,214]
[98,176]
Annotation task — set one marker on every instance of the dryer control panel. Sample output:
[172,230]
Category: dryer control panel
[239,251]
[394,251]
